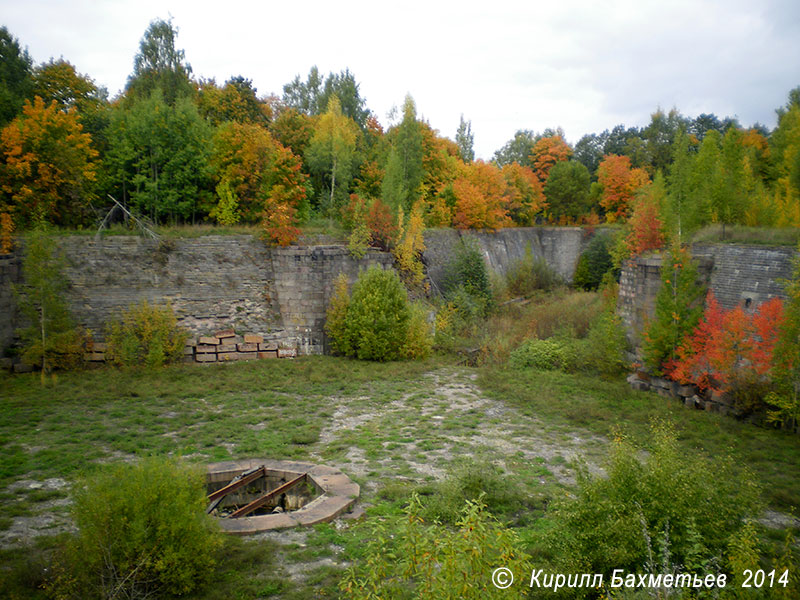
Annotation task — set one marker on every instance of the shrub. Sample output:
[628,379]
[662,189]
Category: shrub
[146,334]
[419,342]
[604,350]
[471,480]
[466,272]
[687,503]
[433,562]
[377,322]
[142,530]
[595,261]
[549,354]
[336,322]
[529,274]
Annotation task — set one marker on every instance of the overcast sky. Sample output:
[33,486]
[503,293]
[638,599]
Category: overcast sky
[581,65]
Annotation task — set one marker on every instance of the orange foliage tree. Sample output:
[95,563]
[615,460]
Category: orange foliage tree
[49,168]
[646,229]
[262,173]
[480,197]
[525,196]
[286,202]
[547,152]
[729,348]
[619,183]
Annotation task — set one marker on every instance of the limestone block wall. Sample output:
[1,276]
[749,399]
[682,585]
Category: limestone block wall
[560,247]
[9,274]
[212,282]
[736,274]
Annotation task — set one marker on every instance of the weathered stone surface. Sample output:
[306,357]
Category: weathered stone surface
[251,338]
[287,352]
[226,348]
[226,356]
[205,349]
[206,358]
[246,355]
[268,346]
[225,333]
[208,340]
[188,350]
[268,354]
[247,347]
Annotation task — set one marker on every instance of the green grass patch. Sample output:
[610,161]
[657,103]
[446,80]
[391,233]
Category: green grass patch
[608,407]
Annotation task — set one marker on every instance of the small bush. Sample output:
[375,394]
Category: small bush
[470,481]
[595,261]
[419,341]
[376,322]
[547,355]
[466,273]
[146,334]
[667,499]
[424,560]
[529,274]
[142,531]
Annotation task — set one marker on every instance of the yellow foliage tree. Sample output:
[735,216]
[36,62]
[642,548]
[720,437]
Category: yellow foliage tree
[49,166]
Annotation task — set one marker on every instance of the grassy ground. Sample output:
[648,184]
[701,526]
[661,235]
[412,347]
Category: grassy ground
[393,428]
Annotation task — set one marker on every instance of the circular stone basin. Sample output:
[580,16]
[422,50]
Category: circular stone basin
[322,495]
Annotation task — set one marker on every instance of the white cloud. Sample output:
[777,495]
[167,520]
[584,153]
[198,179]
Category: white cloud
[585,66]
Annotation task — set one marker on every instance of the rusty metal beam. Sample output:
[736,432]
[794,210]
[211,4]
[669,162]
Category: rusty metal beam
[239,481]
[258,502]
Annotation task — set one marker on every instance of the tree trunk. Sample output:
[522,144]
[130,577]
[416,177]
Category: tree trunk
[333,184]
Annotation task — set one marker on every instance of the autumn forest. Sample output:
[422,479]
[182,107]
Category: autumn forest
[177,148]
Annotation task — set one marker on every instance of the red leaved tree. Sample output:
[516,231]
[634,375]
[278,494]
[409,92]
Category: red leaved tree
[729,350]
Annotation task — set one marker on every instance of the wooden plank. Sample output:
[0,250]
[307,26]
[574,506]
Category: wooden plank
[237,482]
[258,502]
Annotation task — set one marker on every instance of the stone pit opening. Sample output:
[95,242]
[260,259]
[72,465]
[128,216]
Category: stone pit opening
[254,495]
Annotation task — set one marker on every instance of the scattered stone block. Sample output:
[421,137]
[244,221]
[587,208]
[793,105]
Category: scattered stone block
[287,352]
[268,354]
[205,358]
[206,349]
[225,333]
[207,341]
[247,347]
[267,346]
[246,355]
[251,338]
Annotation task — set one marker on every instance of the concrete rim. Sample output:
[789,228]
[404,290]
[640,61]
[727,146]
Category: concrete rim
[339,493]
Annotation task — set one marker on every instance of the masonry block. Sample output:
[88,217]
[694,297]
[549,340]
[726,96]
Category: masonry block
[208,341]
[226,348]
[251,338]
[287,352]
[225,333]
[206,358]
[206,349]
[246,355]
[268,354]
[247,347]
